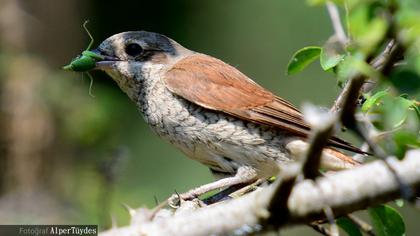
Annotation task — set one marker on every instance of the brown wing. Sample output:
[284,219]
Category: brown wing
[215,85]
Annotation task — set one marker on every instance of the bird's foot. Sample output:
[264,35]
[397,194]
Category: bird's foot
[176,199]
[244,175]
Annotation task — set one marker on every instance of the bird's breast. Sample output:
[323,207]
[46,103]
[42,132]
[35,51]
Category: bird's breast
[217,140]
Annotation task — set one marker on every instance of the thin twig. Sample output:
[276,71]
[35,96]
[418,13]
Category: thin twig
[378,64]
[224,194]
[336,22]
[365,227]
[247,189]
[339,101]
[347,18]
[156,200]
[380,60]
[330,217]
[320,229]
[395,55]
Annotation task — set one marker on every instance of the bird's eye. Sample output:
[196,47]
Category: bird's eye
[133,49]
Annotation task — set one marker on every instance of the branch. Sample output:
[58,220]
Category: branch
[344,192]
[336,22]
[322,129]
[383,63]
[380,60]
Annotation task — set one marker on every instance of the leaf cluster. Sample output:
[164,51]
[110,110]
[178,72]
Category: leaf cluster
[376,31]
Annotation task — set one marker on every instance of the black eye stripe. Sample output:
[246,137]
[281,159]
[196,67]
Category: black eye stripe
[133,49]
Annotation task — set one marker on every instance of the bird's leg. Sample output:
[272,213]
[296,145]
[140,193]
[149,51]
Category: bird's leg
[243,175]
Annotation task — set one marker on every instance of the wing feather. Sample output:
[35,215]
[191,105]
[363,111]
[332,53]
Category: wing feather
[215,85]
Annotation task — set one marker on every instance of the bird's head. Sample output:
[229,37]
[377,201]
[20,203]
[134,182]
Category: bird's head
[132,57]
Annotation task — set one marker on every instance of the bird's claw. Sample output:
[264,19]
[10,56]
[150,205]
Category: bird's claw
[176,199]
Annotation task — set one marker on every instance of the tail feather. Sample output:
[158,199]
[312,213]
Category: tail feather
[335,160]
[331,159]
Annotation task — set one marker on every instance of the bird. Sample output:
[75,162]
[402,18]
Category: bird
[210,110]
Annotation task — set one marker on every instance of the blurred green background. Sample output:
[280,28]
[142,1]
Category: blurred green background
[67,157]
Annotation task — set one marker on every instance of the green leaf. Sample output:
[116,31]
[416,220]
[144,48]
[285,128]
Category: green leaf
[330,61]
[401,108]
[415,106]
[396,112]
[370,102]
[332,53]
[406,81]
[323,2]
[368,28]
[408,19]
[353,64]
[387,221]
[405,140]
[348,226]
[302,58]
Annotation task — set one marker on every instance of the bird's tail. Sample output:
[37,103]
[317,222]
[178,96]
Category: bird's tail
[335,160]
[331,159]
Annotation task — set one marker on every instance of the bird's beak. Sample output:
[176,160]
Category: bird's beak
[104,61]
